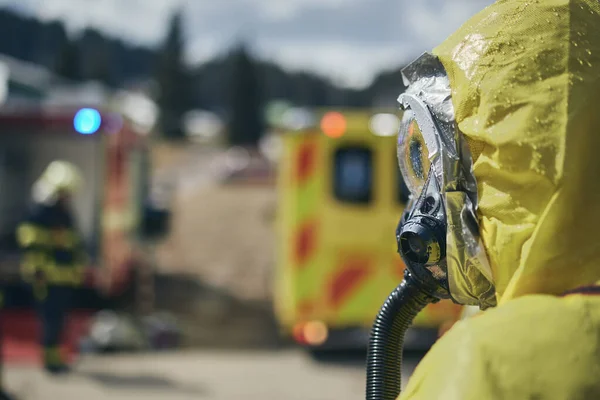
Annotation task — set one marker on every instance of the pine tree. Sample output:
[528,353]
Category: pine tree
[174,82]
[97,55]
[101,70]
[246,124]
[68,64]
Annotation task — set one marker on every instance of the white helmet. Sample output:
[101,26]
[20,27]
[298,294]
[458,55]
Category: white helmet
[59,176]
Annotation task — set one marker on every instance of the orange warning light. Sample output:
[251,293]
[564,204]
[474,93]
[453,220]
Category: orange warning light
[333,124]
[315,333]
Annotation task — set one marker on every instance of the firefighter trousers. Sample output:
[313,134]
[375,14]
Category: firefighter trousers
[52,311]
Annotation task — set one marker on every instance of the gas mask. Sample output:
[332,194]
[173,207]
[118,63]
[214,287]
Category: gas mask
[438,235]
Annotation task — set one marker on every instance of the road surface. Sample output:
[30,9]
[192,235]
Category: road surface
[232,375]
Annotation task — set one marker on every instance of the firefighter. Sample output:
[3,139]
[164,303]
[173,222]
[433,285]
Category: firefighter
[53,255]
[500,148]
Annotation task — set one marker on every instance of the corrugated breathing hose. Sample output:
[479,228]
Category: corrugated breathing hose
[384,357]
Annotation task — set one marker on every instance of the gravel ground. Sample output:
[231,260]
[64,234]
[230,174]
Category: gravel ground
[285,375]
[221,234]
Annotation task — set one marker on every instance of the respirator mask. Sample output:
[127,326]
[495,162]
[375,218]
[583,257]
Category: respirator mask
[438,234]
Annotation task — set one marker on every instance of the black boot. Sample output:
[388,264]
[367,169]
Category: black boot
[56,369]
[53,363]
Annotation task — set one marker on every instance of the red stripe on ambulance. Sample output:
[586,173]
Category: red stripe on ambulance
[353,273]
[305,242]
[306,161]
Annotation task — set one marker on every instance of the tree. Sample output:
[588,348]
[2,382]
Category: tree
[385,88]
[68,64]
[52,40]
[174,82]
[246,124]
[97,56]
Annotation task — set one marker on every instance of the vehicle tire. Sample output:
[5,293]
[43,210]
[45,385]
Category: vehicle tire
[350,356]
[321,355]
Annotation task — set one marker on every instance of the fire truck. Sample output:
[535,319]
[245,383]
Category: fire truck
[340,197]
[113,211]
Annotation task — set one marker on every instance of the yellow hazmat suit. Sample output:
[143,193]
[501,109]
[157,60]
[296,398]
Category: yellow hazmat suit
[525,77]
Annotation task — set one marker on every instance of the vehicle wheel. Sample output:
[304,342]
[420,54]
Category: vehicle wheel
[350,356]
[321,355]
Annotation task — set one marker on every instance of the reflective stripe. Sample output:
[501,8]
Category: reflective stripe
[53,273]
[65,238]
[306,161]
[65,275]
[304,251]
[33,259]
[31,234]
[29,265]
[305,243]
[52,356]
[350,276]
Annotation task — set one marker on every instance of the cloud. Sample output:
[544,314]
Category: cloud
[349,40]
[337,59]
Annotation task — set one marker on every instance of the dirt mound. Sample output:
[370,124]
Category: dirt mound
[221,233]
[212,317]
[216,263]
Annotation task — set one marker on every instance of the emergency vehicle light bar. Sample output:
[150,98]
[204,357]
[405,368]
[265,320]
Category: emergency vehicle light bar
[298,119]
[333,124]
[384,124]
[87,121]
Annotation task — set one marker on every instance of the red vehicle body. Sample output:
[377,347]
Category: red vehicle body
[110,210]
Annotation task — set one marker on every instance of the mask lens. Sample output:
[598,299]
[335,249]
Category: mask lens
[413,156]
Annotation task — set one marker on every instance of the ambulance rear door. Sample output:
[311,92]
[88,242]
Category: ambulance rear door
[355,229]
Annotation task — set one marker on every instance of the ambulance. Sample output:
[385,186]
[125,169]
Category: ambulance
[340,197]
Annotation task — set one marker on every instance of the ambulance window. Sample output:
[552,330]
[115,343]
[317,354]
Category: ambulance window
[353,175]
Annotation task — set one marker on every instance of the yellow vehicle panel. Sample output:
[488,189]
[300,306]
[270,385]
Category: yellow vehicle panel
[337,258]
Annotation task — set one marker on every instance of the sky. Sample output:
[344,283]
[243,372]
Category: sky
[349,41]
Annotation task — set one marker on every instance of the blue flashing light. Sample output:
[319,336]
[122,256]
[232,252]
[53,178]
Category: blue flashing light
[87,121]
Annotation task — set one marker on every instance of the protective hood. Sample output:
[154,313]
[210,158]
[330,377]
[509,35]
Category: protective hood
[525,79]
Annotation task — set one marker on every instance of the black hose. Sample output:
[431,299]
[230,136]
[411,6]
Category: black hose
[384,357]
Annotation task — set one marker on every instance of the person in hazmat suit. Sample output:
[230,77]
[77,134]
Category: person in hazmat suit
[500,147]
[53,254]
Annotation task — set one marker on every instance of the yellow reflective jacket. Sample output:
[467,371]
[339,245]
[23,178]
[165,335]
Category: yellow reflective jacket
[51,248]
[525,79]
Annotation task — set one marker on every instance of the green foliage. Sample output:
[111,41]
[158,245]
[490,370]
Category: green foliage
[246,123]
[174,82]
[95,56]
[46,44]
[68,64]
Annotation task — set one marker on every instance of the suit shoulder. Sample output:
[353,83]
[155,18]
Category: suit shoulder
[517,350]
